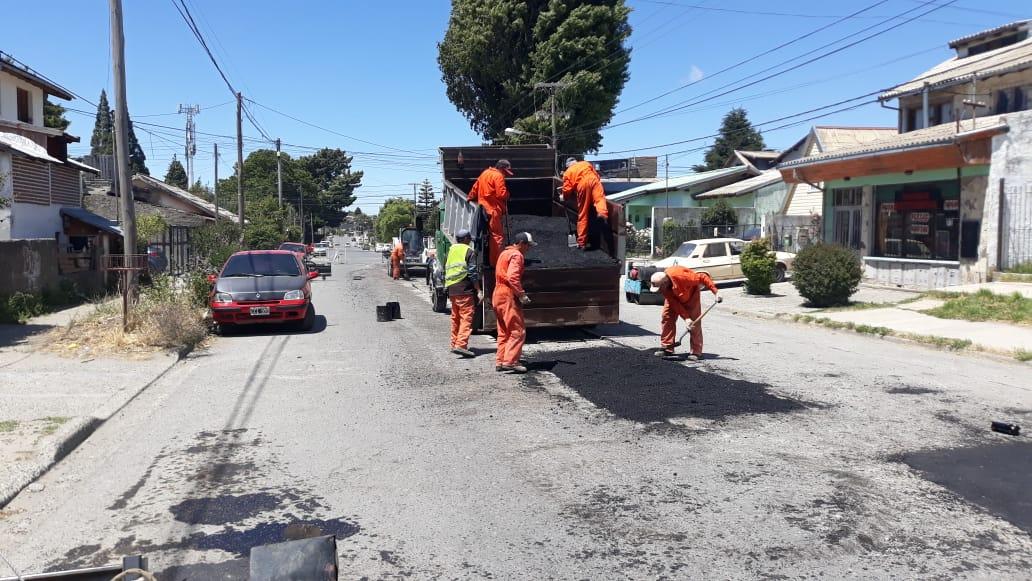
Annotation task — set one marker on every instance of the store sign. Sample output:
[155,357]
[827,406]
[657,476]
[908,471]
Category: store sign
[920,217]
[951,205]
[919,229]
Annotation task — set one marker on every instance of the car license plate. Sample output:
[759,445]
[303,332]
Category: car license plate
[259,311]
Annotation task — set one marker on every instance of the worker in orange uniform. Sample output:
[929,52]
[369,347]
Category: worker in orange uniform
[490,192]
[396,256]
[580,178]
[680,288]
[508,301]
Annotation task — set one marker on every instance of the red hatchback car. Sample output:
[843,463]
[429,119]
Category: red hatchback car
[263,286]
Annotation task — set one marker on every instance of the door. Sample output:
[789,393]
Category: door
[735,260]
[715,261]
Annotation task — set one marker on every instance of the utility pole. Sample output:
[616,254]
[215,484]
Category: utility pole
[553,88]
[125,187]
[240,163]
[215,190]
[279,173]
[191,139]
[301,212]
[415,204]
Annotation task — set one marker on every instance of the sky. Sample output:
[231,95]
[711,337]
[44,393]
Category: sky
[363,75]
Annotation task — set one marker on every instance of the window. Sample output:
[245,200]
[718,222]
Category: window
[1011,100]
[846,213]
[24,106]
[716,250]
[919,221]
[940,113]
[736,247]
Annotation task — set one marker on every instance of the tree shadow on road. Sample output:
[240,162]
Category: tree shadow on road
[13,335]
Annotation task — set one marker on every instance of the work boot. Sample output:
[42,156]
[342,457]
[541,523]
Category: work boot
[693,357]
[664,352]
[511,368]
[463,351]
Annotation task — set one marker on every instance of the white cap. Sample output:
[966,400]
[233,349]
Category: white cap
[570,161]
[656,279]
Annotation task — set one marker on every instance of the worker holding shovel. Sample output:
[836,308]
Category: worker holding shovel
[680,288]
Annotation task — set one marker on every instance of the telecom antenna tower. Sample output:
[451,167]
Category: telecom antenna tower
[191,139]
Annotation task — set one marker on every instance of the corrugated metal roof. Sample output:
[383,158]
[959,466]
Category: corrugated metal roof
[679,183]
[25,146]
[743,187]
[98,222]
[144,182]
[82,166]
[831,139]
[961,70]
[938,134]
[992,31]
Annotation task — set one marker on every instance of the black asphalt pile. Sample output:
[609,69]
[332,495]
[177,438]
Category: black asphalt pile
[553,249]
[639,386]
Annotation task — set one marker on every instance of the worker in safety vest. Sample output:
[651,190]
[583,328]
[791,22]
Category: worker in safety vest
[680,288]
[490,192]
[396,256]
[508,301]
[580,178]
[462,279]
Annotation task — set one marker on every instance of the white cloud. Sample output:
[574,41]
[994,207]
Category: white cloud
[695,74]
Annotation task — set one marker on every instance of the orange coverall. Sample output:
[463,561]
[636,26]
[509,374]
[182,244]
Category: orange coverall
[490,192]
[682,300]
[396,255]
[582,178]
[507,307]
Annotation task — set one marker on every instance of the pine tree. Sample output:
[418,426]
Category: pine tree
[53,115]
[425,198]
[736,132]
[103,140]
[137,160]
[176,174]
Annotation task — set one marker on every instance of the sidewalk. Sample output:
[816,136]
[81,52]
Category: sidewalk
[49,404]
[897,310]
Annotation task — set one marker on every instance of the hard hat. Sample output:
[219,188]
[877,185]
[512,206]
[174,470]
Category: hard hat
[570,161]
[462,233]
[656,280]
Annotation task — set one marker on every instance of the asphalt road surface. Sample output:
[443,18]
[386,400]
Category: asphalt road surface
[790,452]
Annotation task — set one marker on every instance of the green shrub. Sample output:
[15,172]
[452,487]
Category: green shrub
[826,274]
[197,287]
[758,266]
[26,305]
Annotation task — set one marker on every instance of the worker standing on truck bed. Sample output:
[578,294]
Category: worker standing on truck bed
[580,178]
[508,300]
[396,255]
[490,192]
[680,287]
[462,280]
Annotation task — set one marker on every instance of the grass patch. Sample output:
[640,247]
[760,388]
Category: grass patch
[941,342]
[1023,355]
[8,426]
[984,306]
[53,423]
[857,306]
[1023,268]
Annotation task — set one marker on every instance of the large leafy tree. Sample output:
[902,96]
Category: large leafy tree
[53,115]
[103,140]
[495,51]
[176,174]
[736,132]
[395,214]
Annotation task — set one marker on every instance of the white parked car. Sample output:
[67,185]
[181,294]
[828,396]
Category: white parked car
[721,258]
[320,249]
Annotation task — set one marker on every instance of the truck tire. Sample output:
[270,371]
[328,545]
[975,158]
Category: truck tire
[439,300]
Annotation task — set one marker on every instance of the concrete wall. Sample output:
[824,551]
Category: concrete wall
[9,86]
[27,265]
[1011,163]
[972,207]
[30,221]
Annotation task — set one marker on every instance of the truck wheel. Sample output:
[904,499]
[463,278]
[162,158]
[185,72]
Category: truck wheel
[779,273]
[439,300]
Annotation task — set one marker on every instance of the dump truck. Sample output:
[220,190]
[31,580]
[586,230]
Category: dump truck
[566,286]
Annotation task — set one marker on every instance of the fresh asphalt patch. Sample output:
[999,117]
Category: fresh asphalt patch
[992,476]
[640,387]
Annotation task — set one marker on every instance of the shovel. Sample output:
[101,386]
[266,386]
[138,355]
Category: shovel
[691,325]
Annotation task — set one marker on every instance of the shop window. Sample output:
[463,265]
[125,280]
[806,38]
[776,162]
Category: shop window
[846,215]
[918,222]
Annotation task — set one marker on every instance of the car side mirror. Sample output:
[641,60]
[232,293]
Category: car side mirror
[212,278]
[313,274]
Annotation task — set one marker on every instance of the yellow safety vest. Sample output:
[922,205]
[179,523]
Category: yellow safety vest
[455,266]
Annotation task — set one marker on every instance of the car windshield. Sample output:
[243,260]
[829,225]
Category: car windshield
[413,239]
[684,250]
[293,247]
[261,265]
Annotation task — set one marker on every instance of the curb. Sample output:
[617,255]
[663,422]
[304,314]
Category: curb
[71,435]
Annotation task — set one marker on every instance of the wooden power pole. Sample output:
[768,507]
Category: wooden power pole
[240,163]
[215,188]
[125,187]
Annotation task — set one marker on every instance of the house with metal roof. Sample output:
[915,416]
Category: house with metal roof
[947,198]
